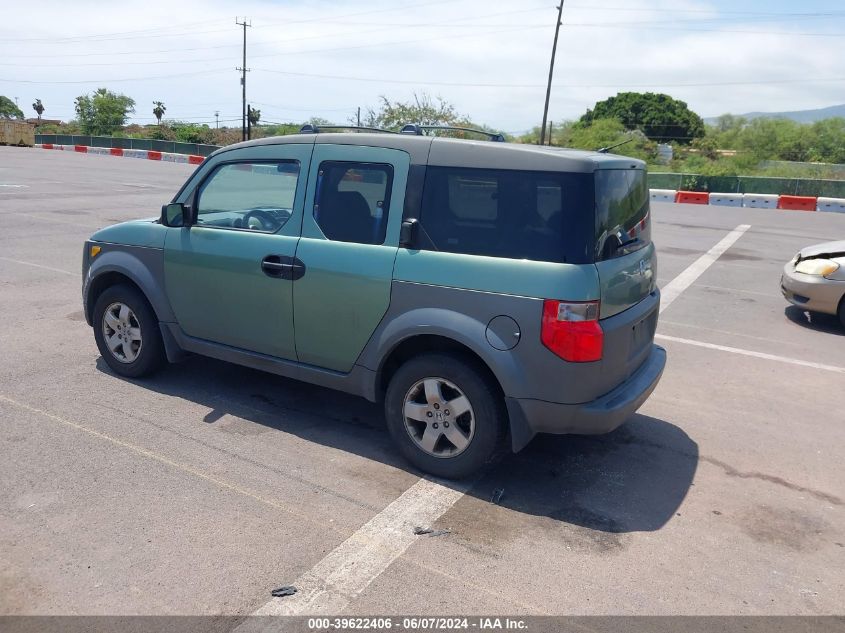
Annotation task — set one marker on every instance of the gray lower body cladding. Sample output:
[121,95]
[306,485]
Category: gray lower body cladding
[544,393]
[529,417]
[142,265]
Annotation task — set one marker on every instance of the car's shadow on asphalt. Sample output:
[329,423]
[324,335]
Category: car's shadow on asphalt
[633,479]
[816,321]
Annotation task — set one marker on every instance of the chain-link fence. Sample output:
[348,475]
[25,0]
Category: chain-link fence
[174,147]
[748,184]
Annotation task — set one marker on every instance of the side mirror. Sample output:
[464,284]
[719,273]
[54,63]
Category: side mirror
[175,214]
[408,234]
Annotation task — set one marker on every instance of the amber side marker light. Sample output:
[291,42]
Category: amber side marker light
[94,251]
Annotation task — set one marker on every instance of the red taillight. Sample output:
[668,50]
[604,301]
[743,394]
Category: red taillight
[572,330]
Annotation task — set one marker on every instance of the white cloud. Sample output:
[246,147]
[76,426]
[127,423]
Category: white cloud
[602,50]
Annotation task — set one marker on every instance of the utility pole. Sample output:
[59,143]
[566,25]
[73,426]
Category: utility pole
[551,127]
[217,119]
[244,70]
[551,72]
[359,116]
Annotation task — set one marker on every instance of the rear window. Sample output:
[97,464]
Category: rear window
[622,212]
[543,216]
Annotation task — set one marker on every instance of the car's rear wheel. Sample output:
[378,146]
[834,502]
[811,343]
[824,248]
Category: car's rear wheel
[445,414]
[126,331]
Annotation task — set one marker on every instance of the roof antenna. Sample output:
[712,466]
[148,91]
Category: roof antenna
[605,150]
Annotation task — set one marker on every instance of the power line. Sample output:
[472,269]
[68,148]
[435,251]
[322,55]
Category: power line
[72,38]
[120,79]
[459,84]
[648,25]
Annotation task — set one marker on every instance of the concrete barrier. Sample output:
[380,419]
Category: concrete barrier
[837,205]
[662,195]
[797,203]
[760,200]
[192,159]
[174,158]
[726,199]
[692,197]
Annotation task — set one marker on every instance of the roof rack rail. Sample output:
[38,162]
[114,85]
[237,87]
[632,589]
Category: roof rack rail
[309,128]
[413,128]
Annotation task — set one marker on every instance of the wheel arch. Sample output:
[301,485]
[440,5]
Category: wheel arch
[418,344]
[141,268]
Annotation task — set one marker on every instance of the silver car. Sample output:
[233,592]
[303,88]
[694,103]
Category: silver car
[815,279]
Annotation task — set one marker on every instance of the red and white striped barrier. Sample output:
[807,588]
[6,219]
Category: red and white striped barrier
[191,159]
[750,200]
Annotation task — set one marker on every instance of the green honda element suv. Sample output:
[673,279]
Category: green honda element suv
[483,291]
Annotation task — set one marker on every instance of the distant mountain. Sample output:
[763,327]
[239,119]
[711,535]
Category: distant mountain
[802,116]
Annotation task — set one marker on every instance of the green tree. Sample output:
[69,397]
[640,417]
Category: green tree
[827,141]
[103,112]
[776,139]
[159,110]
[422,110]
[8,109]
[191,132]
[605,133]
[253,115]
[658,116]
[39,109]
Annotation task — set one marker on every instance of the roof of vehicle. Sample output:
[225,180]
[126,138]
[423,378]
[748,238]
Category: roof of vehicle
[451,152]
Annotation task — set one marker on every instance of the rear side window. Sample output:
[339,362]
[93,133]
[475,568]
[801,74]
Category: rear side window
[506,213]
[353,200]
[622,212]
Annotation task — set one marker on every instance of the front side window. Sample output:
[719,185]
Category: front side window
[353,201]
[508,213]
[254,196]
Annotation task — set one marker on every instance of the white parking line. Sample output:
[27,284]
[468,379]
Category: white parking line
[674,288]
[347,570]
[55,270]
[748,352]
[350,568]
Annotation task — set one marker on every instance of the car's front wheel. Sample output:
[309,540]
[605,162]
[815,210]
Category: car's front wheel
[445,414]
[127,332]
[842,311]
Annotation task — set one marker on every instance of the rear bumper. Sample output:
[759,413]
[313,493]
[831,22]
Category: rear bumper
[529,417]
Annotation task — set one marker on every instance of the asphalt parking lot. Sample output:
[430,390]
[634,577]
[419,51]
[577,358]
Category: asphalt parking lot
[201,490]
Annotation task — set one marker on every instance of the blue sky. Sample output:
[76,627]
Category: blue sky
[488,58]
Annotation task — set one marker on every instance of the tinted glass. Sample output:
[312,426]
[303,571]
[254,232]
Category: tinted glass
[253,196]
[622,212]
[353,200]
[503,213]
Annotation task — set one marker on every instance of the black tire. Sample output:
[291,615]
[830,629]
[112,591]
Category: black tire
[150,355]
[841,311]
[487,411]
